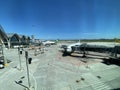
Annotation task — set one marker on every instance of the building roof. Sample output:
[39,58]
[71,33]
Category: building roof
[9,35]
[3,35]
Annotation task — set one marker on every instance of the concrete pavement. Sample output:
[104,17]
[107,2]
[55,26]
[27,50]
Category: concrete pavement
[12,73]
[52,71]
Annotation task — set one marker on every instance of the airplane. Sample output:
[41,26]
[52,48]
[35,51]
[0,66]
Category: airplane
[68,48]
[48,43]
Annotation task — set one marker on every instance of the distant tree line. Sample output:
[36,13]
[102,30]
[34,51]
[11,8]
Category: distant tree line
[92,40]
[101,40]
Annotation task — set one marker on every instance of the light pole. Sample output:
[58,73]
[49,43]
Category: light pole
[28,76]
[26,55]
[5,61]
[19,52]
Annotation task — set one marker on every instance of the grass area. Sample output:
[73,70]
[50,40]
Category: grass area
[93,40]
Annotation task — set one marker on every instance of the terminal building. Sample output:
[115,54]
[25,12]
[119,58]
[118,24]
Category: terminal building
[10,40]
[16,39]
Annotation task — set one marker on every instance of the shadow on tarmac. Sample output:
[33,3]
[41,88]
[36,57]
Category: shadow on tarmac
[111,61]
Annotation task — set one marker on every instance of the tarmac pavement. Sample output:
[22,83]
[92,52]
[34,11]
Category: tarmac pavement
[51,71]
[12,74]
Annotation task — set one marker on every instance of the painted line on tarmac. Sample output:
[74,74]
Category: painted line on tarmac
[66,69]
[37,77]
[7,73]
[34,80]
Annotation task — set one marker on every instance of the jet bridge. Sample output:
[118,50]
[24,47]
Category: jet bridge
[113,50]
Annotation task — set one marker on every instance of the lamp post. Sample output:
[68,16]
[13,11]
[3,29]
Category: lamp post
[28,76]
[26,55]
[19,52]
[5,61]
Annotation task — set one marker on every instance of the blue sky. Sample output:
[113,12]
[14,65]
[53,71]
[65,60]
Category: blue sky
[61,19]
